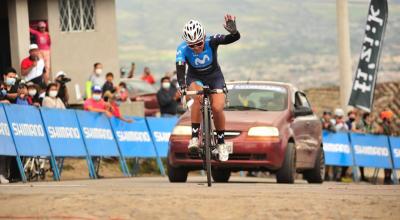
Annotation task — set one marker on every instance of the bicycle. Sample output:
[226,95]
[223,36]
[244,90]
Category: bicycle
[35,168]
[208,140]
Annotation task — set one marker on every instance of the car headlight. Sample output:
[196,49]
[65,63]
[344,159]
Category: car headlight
[263,132]
[182,130]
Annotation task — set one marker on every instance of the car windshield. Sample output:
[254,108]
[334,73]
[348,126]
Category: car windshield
[136,87]
[258,97]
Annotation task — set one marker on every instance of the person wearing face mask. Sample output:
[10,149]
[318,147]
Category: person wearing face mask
[33,94]
[96,103]
[9,90]
[33,67]
[167,98]
[51,100]
[123,92]
[96,79]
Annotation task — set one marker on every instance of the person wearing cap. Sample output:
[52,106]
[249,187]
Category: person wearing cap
[33,67]
[43,41]
[96,102]
[33,94]
[386,128]
[340,124]
[61,79]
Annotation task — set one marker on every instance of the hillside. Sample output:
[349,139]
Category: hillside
[290,40]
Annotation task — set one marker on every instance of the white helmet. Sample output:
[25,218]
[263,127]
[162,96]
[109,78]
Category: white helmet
[193,31]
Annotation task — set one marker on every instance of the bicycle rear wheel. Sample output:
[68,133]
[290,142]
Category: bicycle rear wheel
[207,142]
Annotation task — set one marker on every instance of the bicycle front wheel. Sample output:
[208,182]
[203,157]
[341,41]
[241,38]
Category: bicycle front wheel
[207,142]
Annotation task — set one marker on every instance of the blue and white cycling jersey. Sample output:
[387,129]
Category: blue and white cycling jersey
[206,62]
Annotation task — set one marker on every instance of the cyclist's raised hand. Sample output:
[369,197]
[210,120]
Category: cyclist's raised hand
[230,24]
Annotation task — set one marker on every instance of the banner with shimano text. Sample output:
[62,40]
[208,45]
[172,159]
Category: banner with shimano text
[395,147]
[161,129]
[337,149]
[371,150]
[6,142]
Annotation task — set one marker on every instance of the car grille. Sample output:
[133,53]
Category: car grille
[231,156]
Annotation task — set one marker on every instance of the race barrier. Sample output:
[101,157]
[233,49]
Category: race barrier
[362,150]
[27,131]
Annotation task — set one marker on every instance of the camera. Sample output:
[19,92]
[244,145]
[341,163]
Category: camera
[62,79]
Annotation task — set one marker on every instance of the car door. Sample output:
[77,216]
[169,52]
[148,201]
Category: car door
[304,133]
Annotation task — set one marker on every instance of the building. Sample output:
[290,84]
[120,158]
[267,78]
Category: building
[82,32]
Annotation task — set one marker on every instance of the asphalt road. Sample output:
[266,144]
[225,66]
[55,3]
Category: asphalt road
[156,198]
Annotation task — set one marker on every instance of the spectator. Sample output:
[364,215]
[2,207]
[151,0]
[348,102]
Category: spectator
[326,121]
[364,125]
[113,106]
[4,163]
[340,124]
[167,98]
[351,118]
[61,80]
[33,67]
[132,71]
[96,79]
[22,97]
[10,86]
[33,94]
[123,92]
[44,42]
[108,85]
[386,128]
[96,103]
[51,100]
[147,76]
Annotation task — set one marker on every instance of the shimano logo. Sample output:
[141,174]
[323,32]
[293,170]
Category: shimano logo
[4,130]
[162,136]
[337,148]
[24,129]
[199,61]
[396,153]
[97,133]
[63,132]
[371,150]
[138,136]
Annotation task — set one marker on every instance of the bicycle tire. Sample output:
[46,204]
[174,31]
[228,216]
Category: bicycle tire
[207,140]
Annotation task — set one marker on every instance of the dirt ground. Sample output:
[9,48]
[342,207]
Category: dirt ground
[156,198]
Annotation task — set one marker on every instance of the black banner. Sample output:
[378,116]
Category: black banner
[362,93]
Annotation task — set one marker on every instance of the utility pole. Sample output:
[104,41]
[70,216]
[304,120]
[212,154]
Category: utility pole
[343,37]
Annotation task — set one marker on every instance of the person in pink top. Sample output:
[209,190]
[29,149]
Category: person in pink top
[44,42]
[96,102]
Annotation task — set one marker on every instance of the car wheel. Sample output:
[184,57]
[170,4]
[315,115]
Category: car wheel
[176,174]
[221,175]
[287,173]
[316,174]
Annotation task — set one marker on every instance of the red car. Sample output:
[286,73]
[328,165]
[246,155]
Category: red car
[270,126]
[141,91]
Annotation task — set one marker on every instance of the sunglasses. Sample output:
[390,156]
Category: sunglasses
[199,44]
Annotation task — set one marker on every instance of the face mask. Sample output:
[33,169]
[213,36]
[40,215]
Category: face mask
[98,71]
[352,119]
[166,85]
[32,92]
[10,81]
[53,93]
[122,90]
[96,97]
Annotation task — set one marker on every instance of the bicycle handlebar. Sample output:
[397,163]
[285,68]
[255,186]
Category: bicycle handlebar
[208,91]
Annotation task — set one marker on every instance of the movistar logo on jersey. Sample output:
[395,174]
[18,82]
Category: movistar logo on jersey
[199,61]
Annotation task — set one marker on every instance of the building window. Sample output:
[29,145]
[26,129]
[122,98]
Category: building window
[76,15]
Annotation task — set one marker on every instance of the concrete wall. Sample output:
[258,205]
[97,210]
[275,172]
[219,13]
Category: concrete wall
[19,31]
[76,52]
[37,9]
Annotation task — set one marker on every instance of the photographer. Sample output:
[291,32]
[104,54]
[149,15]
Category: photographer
[61,80]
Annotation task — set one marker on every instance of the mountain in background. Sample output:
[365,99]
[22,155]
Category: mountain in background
[292,41]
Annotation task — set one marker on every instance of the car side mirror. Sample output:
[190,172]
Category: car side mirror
[302,111]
